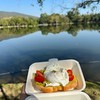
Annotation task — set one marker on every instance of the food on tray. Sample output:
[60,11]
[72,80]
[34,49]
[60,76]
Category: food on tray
[54,78]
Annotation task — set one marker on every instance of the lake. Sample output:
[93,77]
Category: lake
[19,48]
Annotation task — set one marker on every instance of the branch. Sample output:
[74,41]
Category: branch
[4,94]
[87,3]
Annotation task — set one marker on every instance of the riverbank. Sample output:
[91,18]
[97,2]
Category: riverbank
[93,90]
[12,91]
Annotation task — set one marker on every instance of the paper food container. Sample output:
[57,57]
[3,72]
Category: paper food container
[75,94]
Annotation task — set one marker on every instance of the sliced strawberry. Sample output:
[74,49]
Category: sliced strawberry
[39,76]
[69,72]
[38,73]
[71,77]
[39,79]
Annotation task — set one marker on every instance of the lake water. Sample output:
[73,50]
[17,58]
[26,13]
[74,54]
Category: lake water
[19,51]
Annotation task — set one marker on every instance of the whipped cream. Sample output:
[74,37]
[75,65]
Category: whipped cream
[52,67]
[56,75]
[52,84]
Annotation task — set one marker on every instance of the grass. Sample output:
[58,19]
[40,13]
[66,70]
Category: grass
[11,91]
[93,90]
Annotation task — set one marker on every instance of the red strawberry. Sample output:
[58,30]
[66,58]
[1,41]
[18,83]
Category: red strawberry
[38,73]
[71,77]
[39,79]
[69,72]
[39,76]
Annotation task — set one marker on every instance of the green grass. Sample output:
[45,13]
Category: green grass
[93,90]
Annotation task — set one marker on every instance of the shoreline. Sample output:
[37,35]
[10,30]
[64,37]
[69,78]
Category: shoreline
[45,24]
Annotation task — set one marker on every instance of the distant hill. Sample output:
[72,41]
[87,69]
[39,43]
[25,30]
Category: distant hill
[12,14]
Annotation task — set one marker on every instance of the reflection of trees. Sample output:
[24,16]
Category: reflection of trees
[70,28]
[18,30]
[92,26]
[13,32]
[53,29]
[73,30]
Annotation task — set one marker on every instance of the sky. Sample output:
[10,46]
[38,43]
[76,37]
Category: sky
[49,6]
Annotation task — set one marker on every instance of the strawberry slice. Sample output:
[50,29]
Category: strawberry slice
[69,71]
[38,73]
[39,77]
[70,74]
[71,77]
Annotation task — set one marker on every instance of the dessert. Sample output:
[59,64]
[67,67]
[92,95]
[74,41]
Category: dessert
[54,78]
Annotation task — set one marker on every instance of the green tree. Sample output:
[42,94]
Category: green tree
[55,19]
[4,22]
[73,15]
[43,18]
[64,19]
[86,18]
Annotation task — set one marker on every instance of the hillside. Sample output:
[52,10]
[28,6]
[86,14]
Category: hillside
[12,14]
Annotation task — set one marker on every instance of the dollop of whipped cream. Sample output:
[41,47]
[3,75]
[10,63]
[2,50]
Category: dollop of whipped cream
[56,75]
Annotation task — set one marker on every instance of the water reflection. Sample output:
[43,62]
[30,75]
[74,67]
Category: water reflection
[72,29]
[17,54]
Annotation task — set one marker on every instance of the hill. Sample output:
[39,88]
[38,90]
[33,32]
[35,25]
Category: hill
[12,14]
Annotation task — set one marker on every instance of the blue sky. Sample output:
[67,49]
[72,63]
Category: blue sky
[49,7]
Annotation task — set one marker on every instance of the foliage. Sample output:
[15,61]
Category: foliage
[86,3]
[92,89]
[43,18]
[40,2]
[18,21]
[72,17]
[10,91]
[82,4]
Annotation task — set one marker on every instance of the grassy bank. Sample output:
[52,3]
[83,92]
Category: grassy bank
[93,90]
[12,91]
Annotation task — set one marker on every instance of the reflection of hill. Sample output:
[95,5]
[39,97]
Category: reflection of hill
[15,32]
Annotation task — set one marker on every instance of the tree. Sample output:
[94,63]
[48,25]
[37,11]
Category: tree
[55,19]
[73,15]
[65,19]
[4,22]
[43,18]
[86,3]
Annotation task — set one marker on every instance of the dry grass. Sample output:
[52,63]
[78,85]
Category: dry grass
[12,91]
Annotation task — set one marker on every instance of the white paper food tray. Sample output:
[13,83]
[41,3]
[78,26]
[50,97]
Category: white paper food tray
[69,64]
[64,96]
